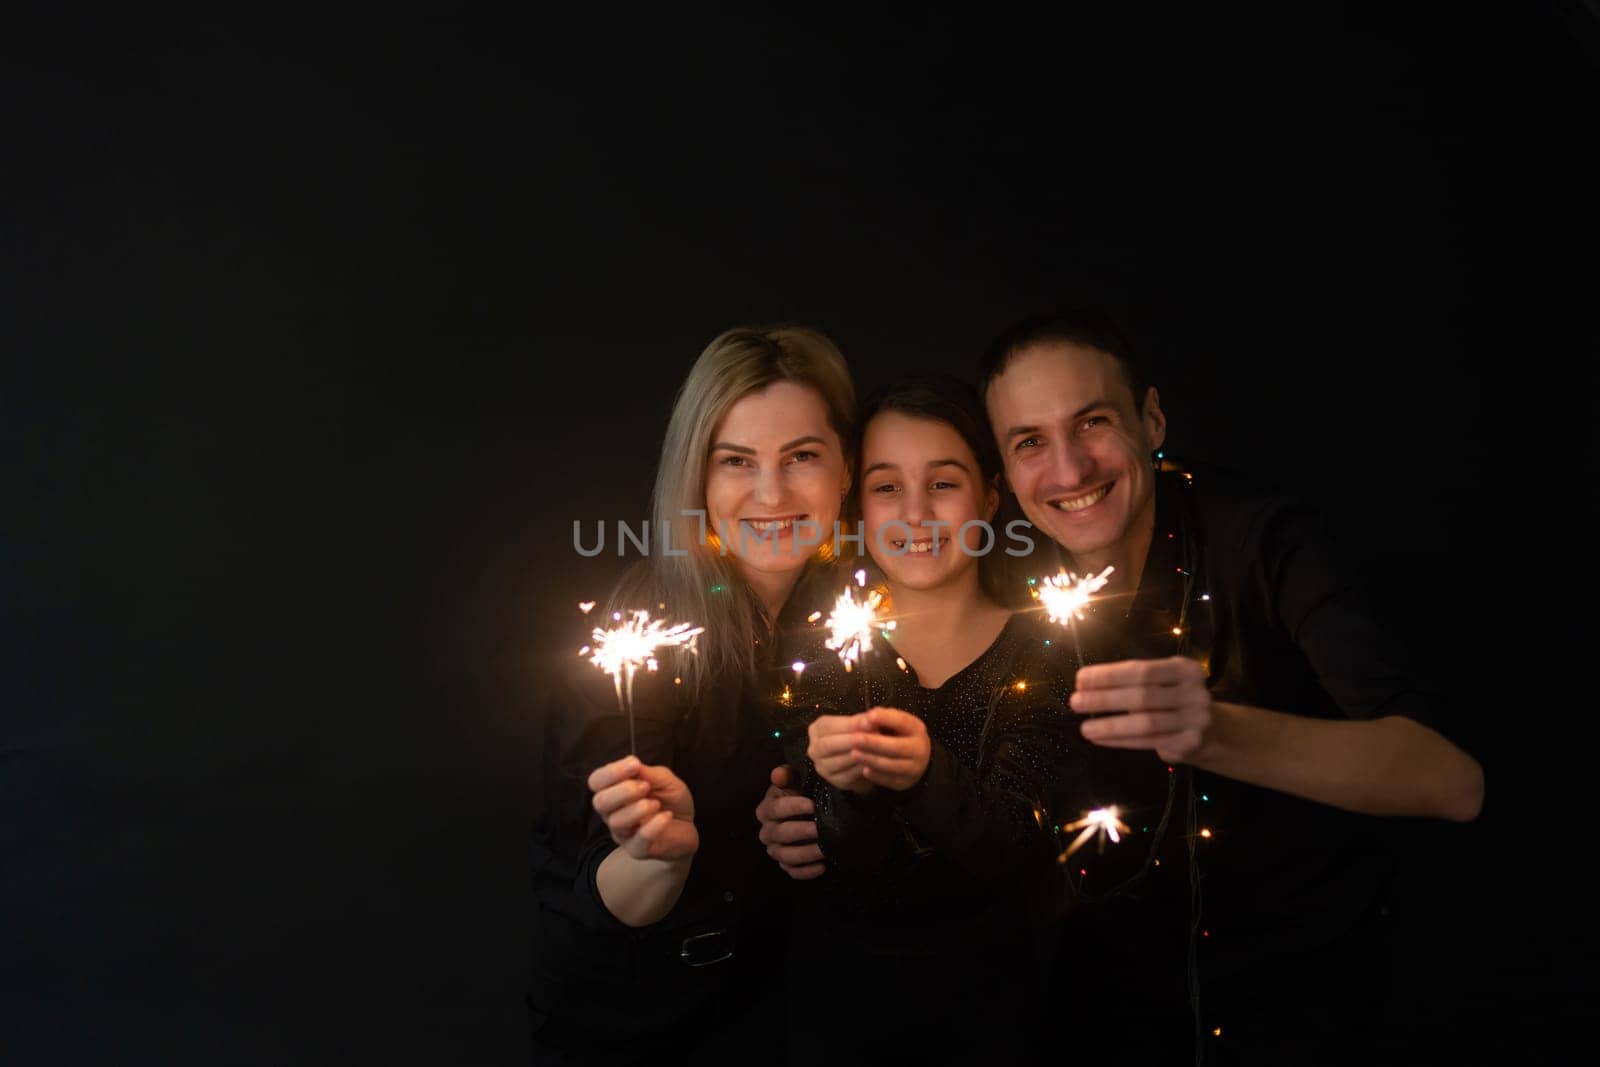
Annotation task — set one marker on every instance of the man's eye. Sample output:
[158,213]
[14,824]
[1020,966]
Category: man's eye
[1028,442]
[1095,420]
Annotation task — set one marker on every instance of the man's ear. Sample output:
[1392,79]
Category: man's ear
[1154,419]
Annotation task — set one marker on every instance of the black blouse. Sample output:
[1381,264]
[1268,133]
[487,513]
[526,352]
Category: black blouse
[922,940]
[911,868]
[598,982]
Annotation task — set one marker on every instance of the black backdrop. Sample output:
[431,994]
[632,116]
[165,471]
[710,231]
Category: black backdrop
[319,332]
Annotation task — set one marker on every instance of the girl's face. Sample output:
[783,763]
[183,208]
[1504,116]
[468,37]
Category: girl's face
[774,480]
[920,483]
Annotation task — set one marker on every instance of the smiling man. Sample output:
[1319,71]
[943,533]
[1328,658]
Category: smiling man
[1233,645]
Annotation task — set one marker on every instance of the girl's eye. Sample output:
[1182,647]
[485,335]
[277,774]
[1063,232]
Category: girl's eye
[885,487]
[944,485]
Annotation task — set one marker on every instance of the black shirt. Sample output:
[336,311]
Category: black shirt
[929,905]
[1283,893]
[599,986]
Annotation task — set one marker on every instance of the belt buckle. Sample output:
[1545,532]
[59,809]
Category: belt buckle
[698,945]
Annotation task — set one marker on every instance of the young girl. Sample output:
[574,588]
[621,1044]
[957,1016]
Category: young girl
[931,765]
[658,913]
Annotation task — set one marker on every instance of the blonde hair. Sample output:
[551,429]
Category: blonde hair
[703,585]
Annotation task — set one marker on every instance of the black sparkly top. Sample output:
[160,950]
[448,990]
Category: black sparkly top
[964,839]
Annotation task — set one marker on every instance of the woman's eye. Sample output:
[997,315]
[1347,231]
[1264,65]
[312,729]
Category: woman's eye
[733,461]
[802,457]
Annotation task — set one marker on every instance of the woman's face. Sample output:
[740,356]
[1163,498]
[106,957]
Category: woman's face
[919,479]
[774,480]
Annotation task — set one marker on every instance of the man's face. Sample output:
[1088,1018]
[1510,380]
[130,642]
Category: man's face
[1076,447]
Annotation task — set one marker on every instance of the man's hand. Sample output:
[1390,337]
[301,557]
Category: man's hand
[789,829]
[1168,706]
[648,809]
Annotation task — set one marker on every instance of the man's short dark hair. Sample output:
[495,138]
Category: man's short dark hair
[1086,328]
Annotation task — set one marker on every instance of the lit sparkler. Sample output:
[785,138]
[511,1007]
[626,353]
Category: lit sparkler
[1065,595]
[1101,823]
[852,621]
[622,650]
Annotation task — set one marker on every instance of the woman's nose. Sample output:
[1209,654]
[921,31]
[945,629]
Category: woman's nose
[768,490]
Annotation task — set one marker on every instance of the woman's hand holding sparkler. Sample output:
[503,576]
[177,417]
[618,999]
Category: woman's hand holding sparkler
[648,809]
[881,746]
[1168,707]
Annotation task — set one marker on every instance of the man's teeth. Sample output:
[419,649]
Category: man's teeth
[778,524]
[1078,503]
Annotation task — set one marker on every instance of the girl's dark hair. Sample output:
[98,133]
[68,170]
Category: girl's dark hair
[946,399]
[941,398]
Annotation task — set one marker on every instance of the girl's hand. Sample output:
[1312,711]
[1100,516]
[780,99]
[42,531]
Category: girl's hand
[895,754]
[833,748]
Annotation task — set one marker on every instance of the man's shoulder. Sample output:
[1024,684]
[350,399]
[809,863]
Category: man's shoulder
[1234,507]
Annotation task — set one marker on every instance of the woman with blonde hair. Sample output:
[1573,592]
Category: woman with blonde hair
[659,916]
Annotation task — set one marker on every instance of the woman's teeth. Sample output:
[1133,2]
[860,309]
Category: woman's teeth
[1078,503]
[776,524]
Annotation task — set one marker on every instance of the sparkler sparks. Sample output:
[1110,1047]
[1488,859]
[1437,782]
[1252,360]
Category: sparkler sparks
[622,650]
[852,621]
[1101,823]
[1065,595]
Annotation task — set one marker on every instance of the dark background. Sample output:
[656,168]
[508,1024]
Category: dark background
[319,332]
